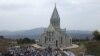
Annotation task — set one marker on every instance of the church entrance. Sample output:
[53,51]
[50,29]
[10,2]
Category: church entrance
[56,43]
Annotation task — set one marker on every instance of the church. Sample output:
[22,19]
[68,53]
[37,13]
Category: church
[54,36]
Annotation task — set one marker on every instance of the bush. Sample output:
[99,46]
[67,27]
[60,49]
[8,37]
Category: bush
[96,35]
[93,48]
[25,41]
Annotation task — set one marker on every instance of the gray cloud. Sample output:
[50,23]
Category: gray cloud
[28,14]
[11,7]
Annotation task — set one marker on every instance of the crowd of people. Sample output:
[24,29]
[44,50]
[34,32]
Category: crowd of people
[30,51]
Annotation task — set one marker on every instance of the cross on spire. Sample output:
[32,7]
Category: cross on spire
[55,4]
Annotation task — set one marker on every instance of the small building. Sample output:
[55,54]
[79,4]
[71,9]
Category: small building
[54,36]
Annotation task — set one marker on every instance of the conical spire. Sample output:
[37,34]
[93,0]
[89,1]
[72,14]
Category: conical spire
[55,19]
[55,14]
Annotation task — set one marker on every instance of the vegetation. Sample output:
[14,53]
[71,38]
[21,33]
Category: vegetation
[93,48]
[25,41]
[4,44]
[96,35]
[1,37]
[80,40]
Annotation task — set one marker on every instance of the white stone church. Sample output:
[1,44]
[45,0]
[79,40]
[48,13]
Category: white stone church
[54,36]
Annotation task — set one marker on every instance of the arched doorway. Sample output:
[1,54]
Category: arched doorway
[56,43]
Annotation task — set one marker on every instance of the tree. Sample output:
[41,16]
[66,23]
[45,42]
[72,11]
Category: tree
[1,37]
[96,35]
[25,41]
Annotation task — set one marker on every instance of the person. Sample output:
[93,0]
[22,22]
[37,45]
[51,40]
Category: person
[8,54]
[0,53]
[69,53]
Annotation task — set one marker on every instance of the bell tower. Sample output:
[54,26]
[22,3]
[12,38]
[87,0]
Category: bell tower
[55,19]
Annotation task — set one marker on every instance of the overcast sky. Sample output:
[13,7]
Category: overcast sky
[29,14]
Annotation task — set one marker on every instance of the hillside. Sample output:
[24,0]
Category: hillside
[35,33]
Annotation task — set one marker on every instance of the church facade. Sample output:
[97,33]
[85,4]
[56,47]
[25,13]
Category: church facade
[54,36]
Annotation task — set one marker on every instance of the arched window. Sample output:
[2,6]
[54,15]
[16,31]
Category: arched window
[56,43]
[53,22]
[61,40]
[52,34]
[45,39]
[49,39]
